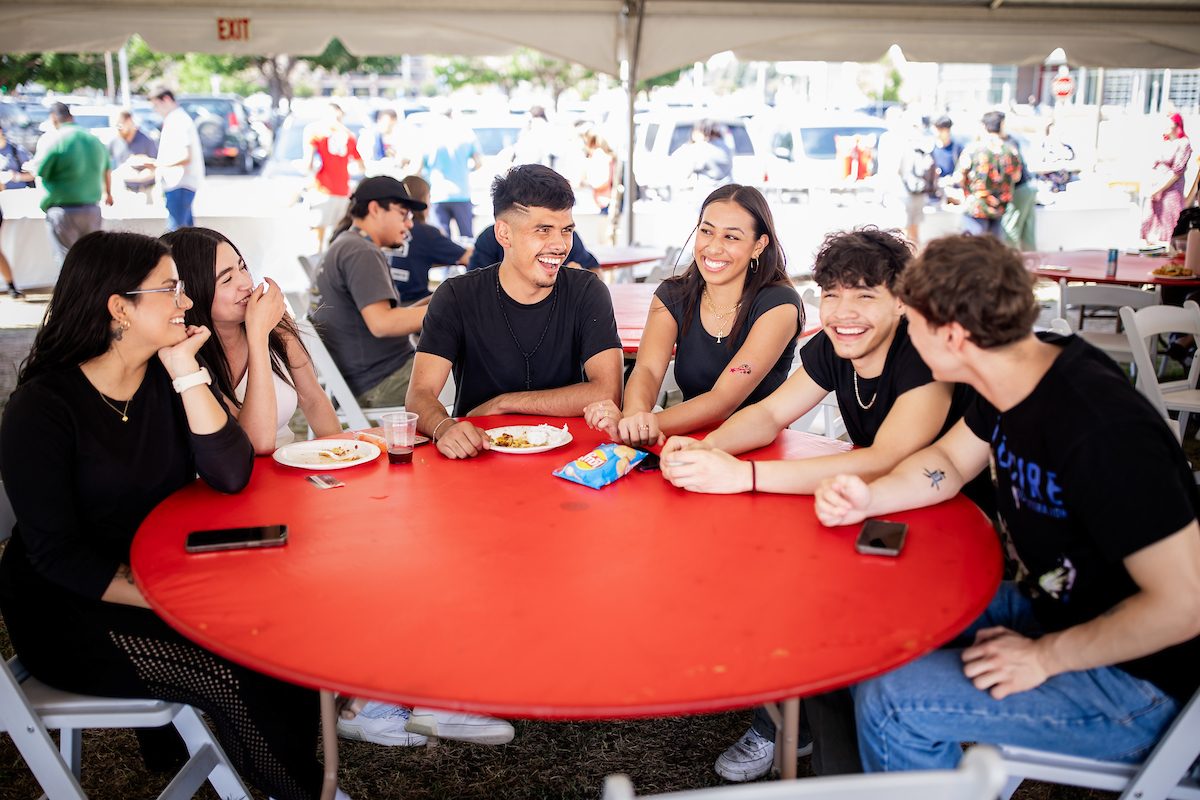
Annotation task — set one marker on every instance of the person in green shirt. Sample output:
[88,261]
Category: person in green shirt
[76,172]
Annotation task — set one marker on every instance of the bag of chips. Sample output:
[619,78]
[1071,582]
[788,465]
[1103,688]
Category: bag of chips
[602,466]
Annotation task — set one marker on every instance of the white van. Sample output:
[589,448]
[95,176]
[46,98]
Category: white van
[824,153]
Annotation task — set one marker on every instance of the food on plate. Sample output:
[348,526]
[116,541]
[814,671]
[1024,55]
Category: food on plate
[506,439]
[1173,268]
[339,453]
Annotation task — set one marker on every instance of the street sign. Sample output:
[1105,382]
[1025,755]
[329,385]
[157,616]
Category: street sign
[1063,86]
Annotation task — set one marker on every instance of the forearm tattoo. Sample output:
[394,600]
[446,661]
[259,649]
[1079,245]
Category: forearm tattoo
[740,369]
[936,477]
[126,574]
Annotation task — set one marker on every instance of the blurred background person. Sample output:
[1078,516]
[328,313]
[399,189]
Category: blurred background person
[180,162]
[535,144]
[600,169]
[705,162]
[76,173]
[329,148]
[132,153]
[13,158]
[447,166]
[1165,197]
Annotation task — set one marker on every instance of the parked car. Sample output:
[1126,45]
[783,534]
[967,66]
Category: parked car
[225,131]
[658,135]
[824,152]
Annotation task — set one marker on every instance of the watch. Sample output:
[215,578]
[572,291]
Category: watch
[185,382]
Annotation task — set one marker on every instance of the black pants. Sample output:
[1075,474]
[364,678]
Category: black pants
[830,718]
[267,727]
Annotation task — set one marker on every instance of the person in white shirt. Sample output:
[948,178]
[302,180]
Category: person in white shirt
[180,162]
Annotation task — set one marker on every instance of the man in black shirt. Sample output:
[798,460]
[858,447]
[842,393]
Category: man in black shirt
[1093,649]
[891,406]
[523,336]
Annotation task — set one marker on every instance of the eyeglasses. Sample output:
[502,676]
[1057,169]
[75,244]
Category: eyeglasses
[177,290]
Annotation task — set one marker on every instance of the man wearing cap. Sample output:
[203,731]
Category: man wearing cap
[76,172]
[358,312]
[180,164]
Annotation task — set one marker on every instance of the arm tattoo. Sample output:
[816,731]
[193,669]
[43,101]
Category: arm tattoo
[125,573]
[740,369]
[936,477]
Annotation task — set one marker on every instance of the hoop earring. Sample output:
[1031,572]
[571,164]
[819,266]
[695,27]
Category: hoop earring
[754,265]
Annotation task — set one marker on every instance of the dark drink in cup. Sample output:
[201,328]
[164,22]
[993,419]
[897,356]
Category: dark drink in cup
[399,455]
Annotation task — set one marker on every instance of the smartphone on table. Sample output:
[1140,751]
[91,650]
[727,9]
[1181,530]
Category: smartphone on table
[881,538]
[236,538]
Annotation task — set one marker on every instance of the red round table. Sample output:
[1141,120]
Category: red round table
[489,585]
[1092,265]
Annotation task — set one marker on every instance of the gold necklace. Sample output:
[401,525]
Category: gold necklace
[124,414]
[720,316]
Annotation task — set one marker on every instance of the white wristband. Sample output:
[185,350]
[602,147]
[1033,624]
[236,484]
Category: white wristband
[185,382]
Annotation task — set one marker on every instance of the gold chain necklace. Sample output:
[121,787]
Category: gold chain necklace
[124,413]
[858,397]
[720,316]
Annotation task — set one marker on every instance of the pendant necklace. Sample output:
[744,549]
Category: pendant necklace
[858,397]
[721,331]
[123,412]
[512,333]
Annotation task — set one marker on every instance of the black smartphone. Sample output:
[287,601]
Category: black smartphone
[881,538]
[236,538]
[649,463]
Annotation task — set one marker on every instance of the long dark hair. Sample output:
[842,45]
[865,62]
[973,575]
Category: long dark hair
[195,251]
[77,326]
[772,264]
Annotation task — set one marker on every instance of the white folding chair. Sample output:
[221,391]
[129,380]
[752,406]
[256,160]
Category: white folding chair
[665,268]
[980,776]
[311,265]
[1164,775]
[1060,326]
[1115,344]
[29,710]
[1143,327]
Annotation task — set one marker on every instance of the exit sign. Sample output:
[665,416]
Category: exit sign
[233,29]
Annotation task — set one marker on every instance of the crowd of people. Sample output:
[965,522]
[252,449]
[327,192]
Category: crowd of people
[1089,648]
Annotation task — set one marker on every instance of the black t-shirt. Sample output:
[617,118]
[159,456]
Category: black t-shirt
[81,480]
[903,370]
[1087,473]
[466,324]
[700,358]
[488,251]
[409,263]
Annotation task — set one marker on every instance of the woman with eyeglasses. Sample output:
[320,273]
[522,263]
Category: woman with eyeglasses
[112,413]
[731,321]
[260,367]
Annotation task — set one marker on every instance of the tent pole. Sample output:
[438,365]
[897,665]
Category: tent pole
[631,48]
[1099,110]
[123,67]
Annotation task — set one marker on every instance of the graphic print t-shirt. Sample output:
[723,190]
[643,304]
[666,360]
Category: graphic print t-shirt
[1087,473]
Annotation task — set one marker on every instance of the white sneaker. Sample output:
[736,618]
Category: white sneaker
[751,757]
[381,723]
[460,726]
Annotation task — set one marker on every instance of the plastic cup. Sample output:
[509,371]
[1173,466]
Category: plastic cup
[400,432]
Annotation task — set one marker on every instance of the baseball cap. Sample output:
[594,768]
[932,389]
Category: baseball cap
[385,187]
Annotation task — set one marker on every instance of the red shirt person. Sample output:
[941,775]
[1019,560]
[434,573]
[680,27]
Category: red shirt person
[330,147]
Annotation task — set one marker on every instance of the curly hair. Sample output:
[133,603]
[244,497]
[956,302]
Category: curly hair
[976,281]
[865,256]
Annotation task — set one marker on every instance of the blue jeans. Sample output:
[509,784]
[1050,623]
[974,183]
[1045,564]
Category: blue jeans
[916,716]
[179,208]
[978,226]
[461,212]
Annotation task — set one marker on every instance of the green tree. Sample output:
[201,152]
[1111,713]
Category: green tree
[525,66]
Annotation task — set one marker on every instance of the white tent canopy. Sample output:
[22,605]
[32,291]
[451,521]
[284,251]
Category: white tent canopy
[1103,33]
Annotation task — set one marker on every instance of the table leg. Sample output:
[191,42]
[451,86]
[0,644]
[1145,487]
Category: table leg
[330,742]
[786,716]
